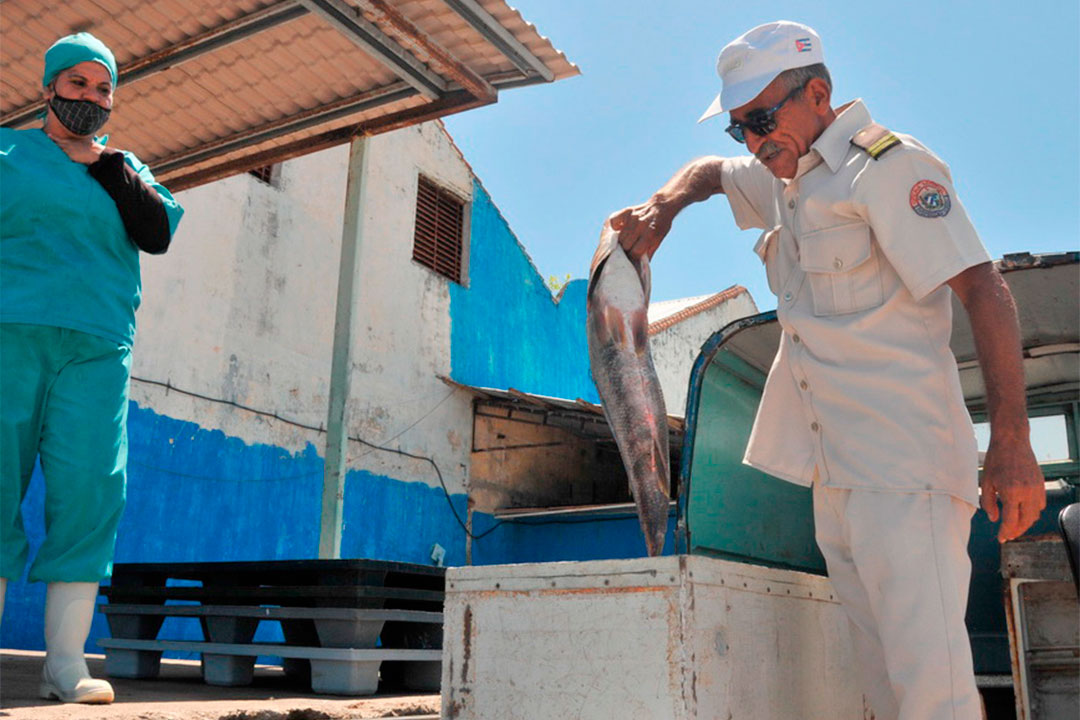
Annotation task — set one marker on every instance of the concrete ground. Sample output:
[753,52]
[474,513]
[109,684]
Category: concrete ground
[180,694]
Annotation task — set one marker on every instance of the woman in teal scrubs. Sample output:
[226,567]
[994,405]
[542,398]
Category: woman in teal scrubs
[74,215]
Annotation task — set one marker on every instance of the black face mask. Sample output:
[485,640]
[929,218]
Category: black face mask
[81,117]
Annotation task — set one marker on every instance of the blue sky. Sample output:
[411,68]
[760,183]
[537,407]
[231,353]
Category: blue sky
[991,87]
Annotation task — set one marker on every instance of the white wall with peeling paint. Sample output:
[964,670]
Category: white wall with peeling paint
[241,310]
[675,349]
[402,319]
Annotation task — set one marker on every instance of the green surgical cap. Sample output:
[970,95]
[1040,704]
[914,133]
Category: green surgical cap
[74,49]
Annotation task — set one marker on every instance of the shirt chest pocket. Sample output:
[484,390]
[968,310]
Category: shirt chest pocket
[843,268]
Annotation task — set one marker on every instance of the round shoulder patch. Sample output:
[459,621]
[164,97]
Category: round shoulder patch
[929,199]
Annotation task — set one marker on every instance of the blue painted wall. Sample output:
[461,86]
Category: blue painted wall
[198,495]
[555,539]
[506,331]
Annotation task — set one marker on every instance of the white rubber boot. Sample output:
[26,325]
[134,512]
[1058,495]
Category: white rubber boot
[69,609]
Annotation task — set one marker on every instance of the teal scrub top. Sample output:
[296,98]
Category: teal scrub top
[65,257]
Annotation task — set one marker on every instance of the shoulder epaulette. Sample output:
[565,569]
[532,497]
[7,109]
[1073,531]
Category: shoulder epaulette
[875,140]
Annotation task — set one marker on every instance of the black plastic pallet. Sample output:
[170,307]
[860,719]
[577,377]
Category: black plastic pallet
[308,598]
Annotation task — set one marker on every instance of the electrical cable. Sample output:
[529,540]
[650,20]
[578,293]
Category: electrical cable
[169,387]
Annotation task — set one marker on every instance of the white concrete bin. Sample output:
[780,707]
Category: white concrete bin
[680,638]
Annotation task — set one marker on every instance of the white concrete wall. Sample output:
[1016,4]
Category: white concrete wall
[675,349]
[402,319]
[241,309]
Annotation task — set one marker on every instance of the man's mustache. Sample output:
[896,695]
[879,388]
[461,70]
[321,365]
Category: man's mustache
[767,148]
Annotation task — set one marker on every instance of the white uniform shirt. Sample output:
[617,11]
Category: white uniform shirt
[864,385]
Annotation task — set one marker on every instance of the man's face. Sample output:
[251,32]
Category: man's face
[799,122]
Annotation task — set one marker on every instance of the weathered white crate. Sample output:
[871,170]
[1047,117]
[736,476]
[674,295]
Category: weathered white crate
[1044,627]
[679,638]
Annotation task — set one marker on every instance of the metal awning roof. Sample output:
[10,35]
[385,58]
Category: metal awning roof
[578,416]
[210,89]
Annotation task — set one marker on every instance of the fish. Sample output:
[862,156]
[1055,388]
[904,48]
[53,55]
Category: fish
[617,330]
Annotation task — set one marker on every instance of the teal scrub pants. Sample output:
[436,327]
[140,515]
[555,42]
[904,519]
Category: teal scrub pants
[63,397]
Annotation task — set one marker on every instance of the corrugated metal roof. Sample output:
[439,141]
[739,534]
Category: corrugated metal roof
[209,89]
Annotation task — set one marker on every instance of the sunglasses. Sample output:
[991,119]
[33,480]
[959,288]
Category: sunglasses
[759,122]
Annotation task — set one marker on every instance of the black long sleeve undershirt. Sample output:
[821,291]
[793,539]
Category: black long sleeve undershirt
[141,208]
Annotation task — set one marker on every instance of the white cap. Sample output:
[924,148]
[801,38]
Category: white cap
[753,60]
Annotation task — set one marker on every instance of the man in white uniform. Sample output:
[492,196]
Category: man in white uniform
[864,243]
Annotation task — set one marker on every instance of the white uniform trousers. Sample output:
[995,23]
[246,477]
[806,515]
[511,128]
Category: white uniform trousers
[899,565]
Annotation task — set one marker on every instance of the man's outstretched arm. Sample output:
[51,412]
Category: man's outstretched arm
[643,227]
[1010,472]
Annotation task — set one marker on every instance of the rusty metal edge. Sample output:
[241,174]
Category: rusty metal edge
[412,39]
[1015,660]
[294,123]
[449,104]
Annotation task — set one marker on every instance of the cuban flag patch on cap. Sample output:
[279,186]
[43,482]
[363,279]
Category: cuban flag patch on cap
[803,45]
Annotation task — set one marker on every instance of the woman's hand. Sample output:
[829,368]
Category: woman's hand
[79,149]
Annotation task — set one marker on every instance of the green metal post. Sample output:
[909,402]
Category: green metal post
[337,440]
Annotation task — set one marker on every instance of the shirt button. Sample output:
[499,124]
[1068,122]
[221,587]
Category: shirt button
[837,263]
[795,339]
[787,296]
[791,204]
[814,426]
[803,384]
